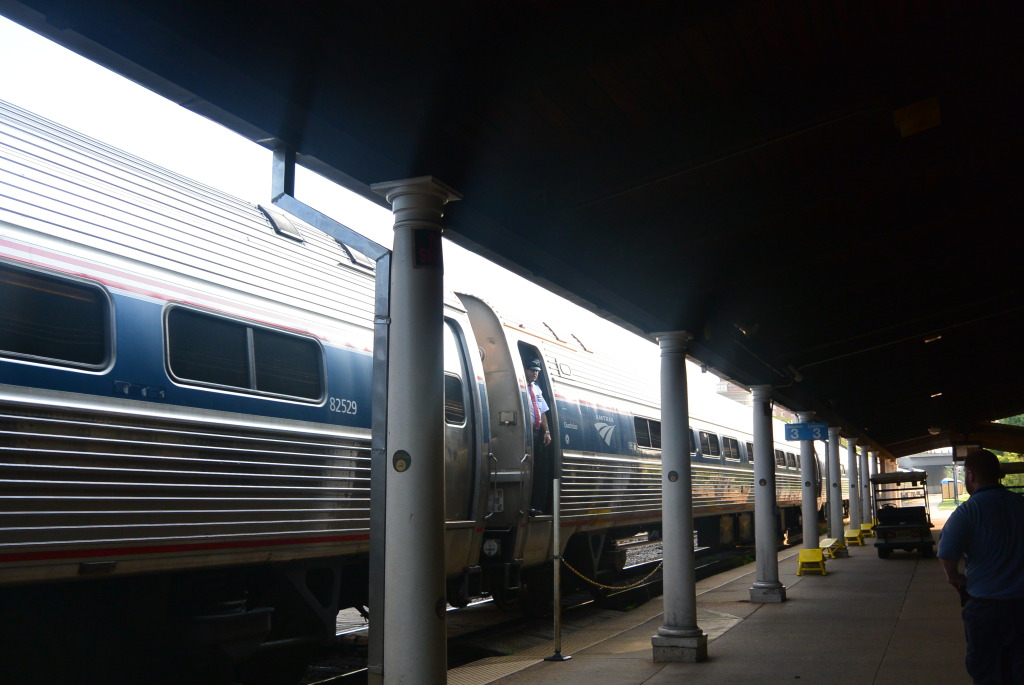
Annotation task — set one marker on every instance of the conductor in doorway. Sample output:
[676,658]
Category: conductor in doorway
[540,501]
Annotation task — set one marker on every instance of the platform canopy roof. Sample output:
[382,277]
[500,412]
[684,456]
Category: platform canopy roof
[827,194]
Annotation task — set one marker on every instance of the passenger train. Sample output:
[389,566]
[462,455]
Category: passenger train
[185,391]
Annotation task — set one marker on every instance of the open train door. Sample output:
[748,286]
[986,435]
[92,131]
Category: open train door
[511,448]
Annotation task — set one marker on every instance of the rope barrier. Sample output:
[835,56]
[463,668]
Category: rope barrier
[613,587]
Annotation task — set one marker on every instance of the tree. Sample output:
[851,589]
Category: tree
[1016,479]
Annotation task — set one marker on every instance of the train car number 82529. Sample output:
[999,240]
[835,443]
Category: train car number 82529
[342,406]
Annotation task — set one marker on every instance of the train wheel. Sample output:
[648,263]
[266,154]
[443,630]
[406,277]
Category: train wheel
[458,595]
[506,600]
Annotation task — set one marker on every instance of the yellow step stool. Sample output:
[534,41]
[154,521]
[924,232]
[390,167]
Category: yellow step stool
[855,537]
[811,560]
[867,530]
[829,547]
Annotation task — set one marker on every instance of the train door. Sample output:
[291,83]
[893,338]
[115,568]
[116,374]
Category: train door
[544,457]
[459,469]
[463,445]
[509,459]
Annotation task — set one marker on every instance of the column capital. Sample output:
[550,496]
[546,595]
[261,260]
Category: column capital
[420,185]
[761,392]
[804,416]
[417,202]
[673,341]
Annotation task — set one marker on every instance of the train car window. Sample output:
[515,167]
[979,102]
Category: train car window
[790,460]
[648,432]
[457,399]
[730,449]
[54,320]
[643,432]
[286,364]
[208,349]
[213,350]
[355,258]
[454,400]
[709,444]
[750,452]
[693,442]
[780,458]
[281,223]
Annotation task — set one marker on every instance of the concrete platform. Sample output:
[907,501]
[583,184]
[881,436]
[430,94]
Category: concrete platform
[868,621]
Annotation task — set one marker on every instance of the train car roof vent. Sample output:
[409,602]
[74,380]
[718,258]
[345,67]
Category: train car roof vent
[281,224]
[356,258]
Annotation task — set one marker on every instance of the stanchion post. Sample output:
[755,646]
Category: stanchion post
[556,542]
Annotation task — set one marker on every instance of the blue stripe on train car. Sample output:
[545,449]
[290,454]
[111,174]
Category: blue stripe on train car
[139,373]
[570,425]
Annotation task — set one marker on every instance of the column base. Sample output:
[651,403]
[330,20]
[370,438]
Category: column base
[766,595]
[688,650]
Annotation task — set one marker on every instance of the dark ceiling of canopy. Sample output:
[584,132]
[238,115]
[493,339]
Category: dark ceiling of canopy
[815,190]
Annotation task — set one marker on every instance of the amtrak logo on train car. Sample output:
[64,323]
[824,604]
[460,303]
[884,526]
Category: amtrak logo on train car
[605,430]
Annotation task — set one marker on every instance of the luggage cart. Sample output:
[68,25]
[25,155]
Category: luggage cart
[903,520]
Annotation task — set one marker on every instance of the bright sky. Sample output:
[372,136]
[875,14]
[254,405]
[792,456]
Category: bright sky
[55,83]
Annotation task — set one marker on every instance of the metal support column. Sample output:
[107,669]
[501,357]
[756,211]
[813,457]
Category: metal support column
[835,488]
[766,587]
[283,192]
[866,514]
[679,638]
[413,636]
[808,489]
[851,474]
[873,463]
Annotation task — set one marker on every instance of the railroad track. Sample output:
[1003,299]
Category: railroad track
[481,630]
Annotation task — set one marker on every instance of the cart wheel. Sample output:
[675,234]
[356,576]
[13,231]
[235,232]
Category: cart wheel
[884,552]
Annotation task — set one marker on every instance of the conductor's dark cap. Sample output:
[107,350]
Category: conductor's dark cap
[533,364]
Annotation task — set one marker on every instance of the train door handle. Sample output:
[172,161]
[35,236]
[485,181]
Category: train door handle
[493,461]
[522,480]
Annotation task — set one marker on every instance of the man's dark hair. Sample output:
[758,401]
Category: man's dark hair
[984,464]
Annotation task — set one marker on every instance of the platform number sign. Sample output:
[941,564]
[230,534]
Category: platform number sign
[807,431]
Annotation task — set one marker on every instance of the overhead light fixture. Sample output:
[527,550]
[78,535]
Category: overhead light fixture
[797,376]
[917,117]
[938,394]
[960,450]
[932,339]
[934,430]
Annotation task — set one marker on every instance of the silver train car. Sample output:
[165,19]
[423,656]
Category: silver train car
[185,384]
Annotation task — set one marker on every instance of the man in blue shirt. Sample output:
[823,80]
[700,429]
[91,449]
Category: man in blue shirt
[988,529]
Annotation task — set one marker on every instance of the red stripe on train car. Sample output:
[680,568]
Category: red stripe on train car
[166,291]
[170,548]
